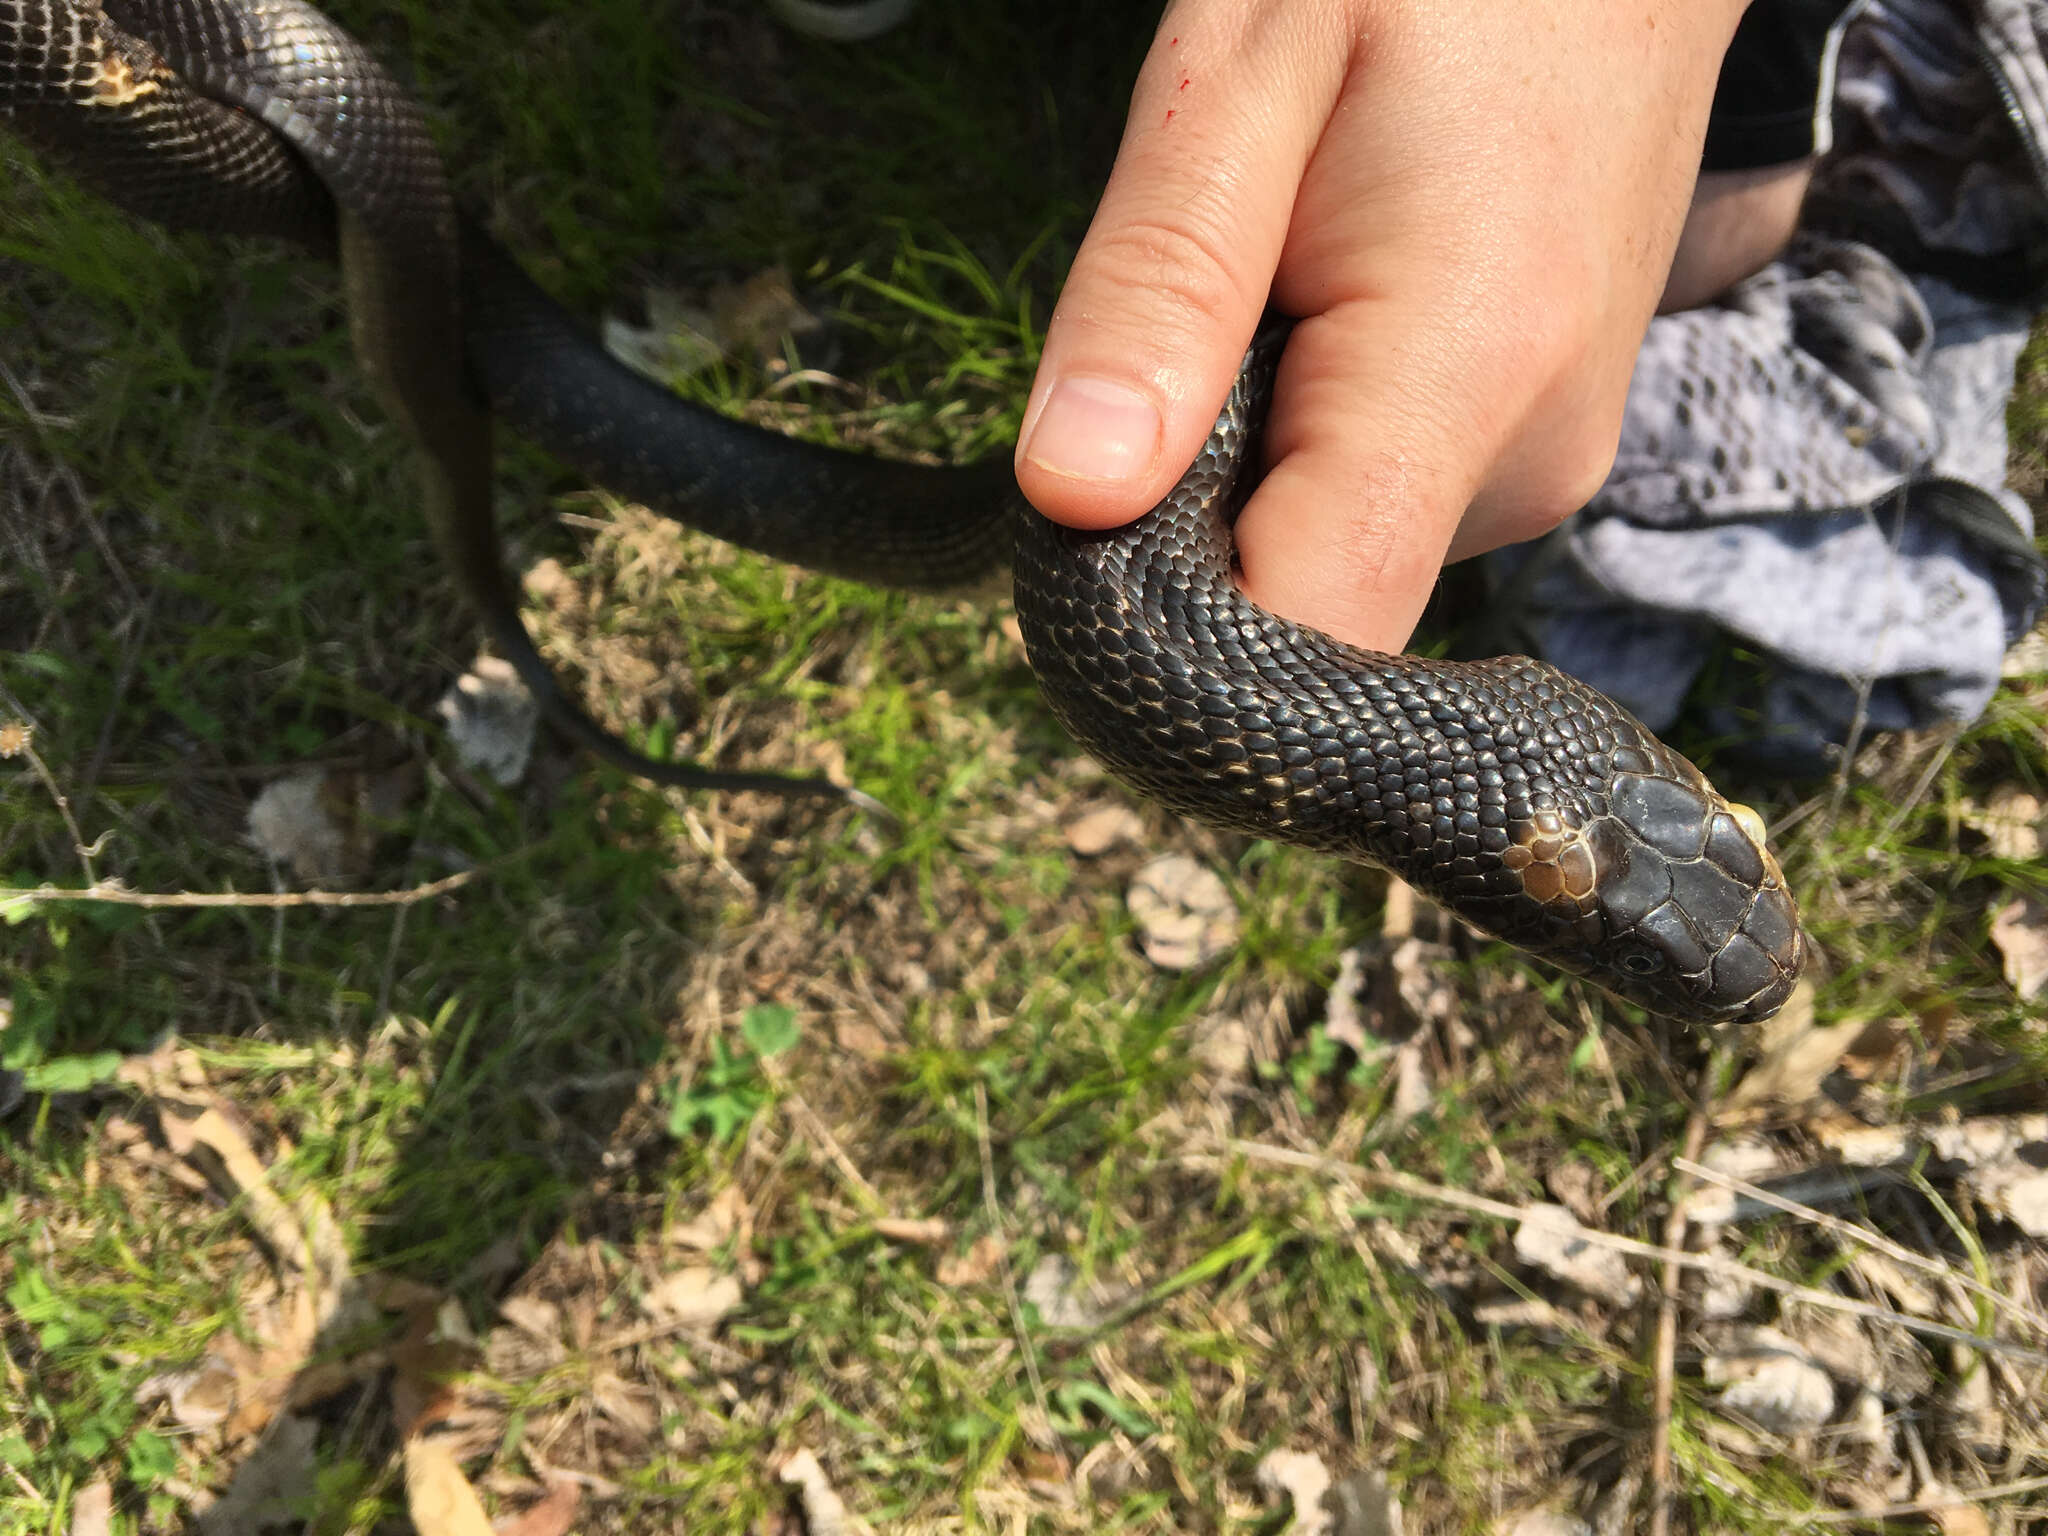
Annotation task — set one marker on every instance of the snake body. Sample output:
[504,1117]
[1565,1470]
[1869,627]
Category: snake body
[1534,807]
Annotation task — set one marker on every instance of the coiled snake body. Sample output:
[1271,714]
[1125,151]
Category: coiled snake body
[1532,806]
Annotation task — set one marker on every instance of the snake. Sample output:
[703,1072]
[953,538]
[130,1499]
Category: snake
[1531,806]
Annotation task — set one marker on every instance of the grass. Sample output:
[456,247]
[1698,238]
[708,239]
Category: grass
[648,1003]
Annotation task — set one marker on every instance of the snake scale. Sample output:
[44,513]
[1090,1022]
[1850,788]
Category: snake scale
[1532,806]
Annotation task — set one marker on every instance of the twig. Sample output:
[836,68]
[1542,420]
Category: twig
[995,1216]
[116,894]
[26,747]
[1869,1237]
[807,1120]
[1922,1506]
[1666,1356]
[1709,1263]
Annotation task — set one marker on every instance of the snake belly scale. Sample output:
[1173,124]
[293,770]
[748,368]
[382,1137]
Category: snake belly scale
[1532,806]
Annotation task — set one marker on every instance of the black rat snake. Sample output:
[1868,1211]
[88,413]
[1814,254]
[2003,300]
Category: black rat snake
[1532,806]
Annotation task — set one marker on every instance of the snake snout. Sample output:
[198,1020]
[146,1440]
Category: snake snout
[1697,921]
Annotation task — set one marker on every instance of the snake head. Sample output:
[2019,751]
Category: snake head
[1670,899]
[1695,918]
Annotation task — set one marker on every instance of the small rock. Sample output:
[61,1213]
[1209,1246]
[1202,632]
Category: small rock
[1770,1379]
[1054,1287]
[1550,1238]
[692,1297]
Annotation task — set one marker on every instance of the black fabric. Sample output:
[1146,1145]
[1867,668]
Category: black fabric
[1764,104]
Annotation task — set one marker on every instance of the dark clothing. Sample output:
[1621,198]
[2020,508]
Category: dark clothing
[1771,105]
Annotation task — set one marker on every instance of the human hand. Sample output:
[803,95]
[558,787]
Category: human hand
[1472,206]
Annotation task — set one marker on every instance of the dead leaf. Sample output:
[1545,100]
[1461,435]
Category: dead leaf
[2027,659]
[2019,931]
[975,1265]
[2011,822]
[437,1496]
[628,1404]
[694,1296]
[553,1515]
[199,1398]
[714,1226]
[1951,1513]
[547,582]
[1097,830]
[1549,1238]
[1797,1057]
[858,1037]
[491,719]
[2016,1189]
[1184,913]
[533,1316]
[435,1345]
[1300,1478]
[825,1513]
[92,1509]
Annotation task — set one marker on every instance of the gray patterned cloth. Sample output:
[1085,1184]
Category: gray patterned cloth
[1814,466]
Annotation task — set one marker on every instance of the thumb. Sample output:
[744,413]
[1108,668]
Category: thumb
[1172,276]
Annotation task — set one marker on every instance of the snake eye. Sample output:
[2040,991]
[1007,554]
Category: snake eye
[1642,962]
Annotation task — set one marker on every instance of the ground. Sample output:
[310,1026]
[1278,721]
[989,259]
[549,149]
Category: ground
[693,1162]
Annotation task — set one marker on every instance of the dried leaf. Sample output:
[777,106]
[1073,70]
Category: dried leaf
[714,1226]
[2020,933]
[553,1515]
[694,1296]
[1550,1238]
[1797,1058]
[627,1404]
[1952,1514]
[1301,1478]
[858,1037]
[533,1316]
[437,1496]
[1184,913]
[825,1513]
[2011,822]
[199,1398]
[491,719]
[1103,827]
[975,1265]
[92,1509]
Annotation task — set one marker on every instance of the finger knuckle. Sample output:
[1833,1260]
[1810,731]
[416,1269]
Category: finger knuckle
[1181,261]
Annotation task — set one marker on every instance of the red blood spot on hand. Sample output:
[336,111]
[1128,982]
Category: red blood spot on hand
[1169,114]
[1183,85]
